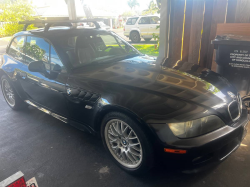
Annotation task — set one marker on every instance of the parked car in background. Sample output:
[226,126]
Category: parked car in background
[83,25]
[96,81]
[103,25]
[141,27]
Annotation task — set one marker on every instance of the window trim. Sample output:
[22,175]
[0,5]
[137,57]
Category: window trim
[153,17]
[8,47]
[137,18]
[50,44]
[46,39]
[143,23]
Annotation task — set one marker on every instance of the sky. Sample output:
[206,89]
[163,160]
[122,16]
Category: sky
[118,6]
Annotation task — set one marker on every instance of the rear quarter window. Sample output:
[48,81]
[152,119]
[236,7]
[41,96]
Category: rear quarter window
[131,21]
[16,49]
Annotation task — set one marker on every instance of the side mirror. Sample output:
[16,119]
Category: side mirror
[55,72]
[57,69]
[37,66]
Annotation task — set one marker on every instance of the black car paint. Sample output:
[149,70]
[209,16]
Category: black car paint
[152,95]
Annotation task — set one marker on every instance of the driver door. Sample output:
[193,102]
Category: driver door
[40,89]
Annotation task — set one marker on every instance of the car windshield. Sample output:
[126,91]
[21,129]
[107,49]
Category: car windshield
[95,47]
[101,23]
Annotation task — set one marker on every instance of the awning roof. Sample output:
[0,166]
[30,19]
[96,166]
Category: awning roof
[61,10]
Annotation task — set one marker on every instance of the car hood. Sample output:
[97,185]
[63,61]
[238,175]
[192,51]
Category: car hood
[185,82]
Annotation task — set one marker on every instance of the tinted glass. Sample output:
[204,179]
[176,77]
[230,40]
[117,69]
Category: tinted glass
[132,21]
[16,49]
[154,20]
[94,48]
[56,60]
[37,49]
[144,20]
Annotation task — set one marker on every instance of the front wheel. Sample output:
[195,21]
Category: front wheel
[10,95]
[135,37]
[127,143]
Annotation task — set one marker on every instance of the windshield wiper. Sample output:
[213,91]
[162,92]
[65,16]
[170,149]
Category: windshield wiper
[116,58]
[126,56]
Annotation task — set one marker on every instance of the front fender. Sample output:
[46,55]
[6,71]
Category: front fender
[104,109]
[135,29]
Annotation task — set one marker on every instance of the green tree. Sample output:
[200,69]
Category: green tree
[13,12]
[34,51]
[128,14]
[152,9]
[158,3]
[6,1]
[133,3]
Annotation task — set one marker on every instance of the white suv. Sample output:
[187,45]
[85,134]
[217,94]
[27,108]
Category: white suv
[141,27]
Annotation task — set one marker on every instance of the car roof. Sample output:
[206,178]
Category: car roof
[144,16]
[59,30]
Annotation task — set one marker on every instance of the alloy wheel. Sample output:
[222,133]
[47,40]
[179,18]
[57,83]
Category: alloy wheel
[8,93]
[123,143]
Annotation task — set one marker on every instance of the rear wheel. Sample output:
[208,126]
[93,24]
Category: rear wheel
[135,37]
[10,95]
[127,143]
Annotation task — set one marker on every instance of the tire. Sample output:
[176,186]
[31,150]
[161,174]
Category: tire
[147,39]
[130,144]
[10,95]
[135,37]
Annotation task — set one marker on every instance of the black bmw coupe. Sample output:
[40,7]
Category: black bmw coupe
[95,81]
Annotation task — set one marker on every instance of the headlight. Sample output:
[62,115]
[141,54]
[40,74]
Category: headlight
[196,127]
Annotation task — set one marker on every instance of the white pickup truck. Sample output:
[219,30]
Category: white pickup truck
[141,27]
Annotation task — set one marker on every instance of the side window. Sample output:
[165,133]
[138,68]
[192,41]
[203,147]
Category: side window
[144,20]
[16,49]
[56,60]
[37,49]
[131,21]
[154,20]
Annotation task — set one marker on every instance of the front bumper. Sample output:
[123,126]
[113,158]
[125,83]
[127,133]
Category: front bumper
[213,147]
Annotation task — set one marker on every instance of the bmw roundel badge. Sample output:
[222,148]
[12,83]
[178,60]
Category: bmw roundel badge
[69,91]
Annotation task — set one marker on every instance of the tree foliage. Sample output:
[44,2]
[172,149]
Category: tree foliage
[158,3]
[133,3]
[152,9]
[157,37]
[34,51]
[128,13]
[13,12]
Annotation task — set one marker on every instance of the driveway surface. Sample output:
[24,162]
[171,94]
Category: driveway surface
[59,155]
